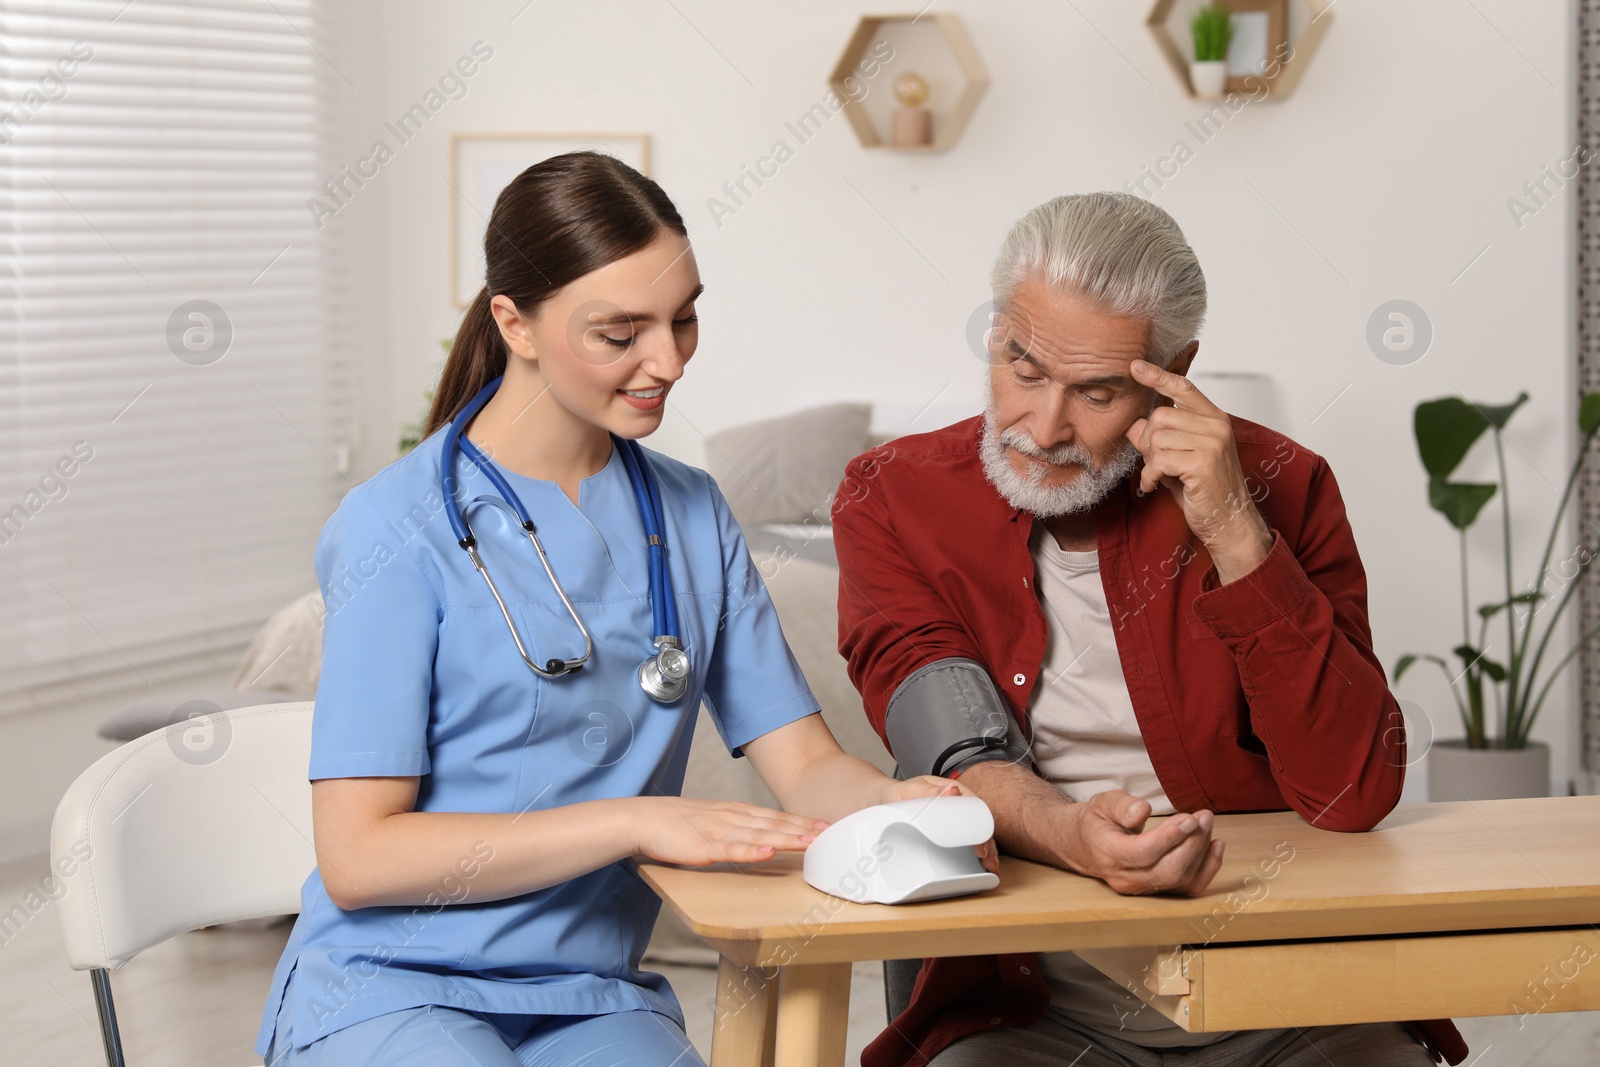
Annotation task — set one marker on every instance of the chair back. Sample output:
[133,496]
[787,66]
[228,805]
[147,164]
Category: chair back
[206,821]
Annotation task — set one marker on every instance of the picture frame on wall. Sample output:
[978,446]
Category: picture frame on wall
[482,164]
[1260,43]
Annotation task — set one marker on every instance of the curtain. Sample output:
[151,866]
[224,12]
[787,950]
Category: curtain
[174,405]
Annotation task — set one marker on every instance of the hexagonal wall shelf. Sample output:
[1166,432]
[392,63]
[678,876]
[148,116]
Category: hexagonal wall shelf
[948,124]
[1289,72]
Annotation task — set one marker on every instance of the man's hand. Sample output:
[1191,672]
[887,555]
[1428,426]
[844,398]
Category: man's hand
[1189,449]
[1102,837]
[1178,856]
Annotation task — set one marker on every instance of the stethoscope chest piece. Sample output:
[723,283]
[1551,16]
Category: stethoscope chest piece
[665,675]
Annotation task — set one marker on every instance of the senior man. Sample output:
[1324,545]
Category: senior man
[1103,600]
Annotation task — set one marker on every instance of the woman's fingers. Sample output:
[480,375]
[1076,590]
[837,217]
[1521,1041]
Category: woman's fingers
[755,816]
[736,844]
[700,832]
[767,827]
[754,853]
[783,816]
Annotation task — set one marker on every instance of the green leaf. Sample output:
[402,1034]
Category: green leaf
[1489,611]
[1405,661]
[1499,416]
[1459,502]
[1589,413]
[1447,428]
[1475,660]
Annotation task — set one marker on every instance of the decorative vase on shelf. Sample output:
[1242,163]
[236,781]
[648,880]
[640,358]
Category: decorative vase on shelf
[1456,772]
[1209,78]
[911,123]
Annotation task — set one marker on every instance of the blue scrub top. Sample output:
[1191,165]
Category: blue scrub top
[419,677]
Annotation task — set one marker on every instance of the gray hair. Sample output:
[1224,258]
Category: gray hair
[1118,250]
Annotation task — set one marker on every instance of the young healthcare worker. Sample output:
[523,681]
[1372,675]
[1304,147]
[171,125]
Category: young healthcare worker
[523,616]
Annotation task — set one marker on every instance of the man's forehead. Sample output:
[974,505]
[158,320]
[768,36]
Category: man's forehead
[1074,362]
[1063,330]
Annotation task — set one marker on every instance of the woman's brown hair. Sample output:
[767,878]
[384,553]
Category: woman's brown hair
[557,221]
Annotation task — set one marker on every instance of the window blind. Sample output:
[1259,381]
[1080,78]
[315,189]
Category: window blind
[174,409]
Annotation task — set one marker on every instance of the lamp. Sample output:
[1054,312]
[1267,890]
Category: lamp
[1248,394]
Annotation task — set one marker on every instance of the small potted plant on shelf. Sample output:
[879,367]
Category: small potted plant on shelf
[1516,676]
[1212,29]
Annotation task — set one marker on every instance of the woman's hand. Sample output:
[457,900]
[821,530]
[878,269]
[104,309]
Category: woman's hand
[699,832]
[928,785]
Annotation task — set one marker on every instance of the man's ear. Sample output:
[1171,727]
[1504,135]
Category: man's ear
[1180,362]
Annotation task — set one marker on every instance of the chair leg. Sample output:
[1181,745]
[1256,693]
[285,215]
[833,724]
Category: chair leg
[101,979]
[899,979]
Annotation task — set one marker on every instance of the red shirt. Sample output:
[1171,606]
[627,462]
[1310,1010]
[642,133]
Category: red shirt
[1260,694]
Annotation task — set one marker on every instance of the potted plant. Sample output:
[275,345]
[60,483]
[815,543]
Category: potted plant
[1212,29]
[1516,675]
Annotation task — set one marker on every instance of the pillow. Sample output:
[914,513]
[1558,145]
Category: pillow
[810,541]
[281,665]
[175,705]
[286,652]
[784,469]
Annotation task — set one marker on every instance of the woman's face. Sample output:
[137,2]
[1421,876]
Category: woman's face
[609,346]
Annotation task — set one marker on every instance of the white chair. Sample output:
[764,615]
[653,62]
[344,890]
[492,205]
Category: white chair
[203,822]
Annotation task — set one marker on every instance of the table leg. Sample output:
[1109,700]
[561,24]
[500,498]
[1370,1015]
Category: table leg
[742,1034]
[813,1014]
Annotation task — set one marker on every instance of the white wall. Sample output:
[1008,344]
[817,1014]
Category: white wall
[852,273]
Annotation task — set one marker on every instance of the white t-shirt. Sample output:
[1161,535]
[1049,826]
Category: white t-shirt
[1085,737]
[1086,740]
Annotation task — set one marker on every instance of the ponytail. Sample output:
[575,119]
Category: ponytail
[477,357]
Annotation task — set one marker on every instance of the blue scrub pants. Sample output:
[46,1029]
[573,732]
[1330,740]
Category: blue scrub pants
[436,1036]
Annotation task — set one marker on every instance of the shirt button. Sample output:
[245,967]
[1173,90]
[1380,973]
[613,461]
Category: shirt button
[1019,678]
[1024,970]
[996,1021]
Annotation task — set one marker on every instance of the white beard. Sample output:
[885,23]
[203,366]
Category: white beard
[1029,492]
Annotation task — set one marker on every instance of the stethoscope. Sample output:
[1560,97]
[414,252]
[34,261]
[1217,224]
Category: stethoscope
[664,676]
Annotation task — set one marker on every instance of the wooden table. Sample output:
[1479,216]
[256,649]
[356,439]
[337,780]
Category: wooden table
[1460,909]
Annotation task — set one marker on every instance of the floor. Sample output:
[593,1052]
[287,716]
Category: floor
[197,1000]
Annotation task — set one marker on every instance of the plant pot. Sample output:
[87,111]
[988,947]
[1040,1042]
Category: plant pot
[1208,78]
[1456,772]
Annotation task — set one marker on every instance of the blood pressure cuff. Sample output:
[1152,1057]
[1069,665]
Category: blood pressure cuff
[947,716]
